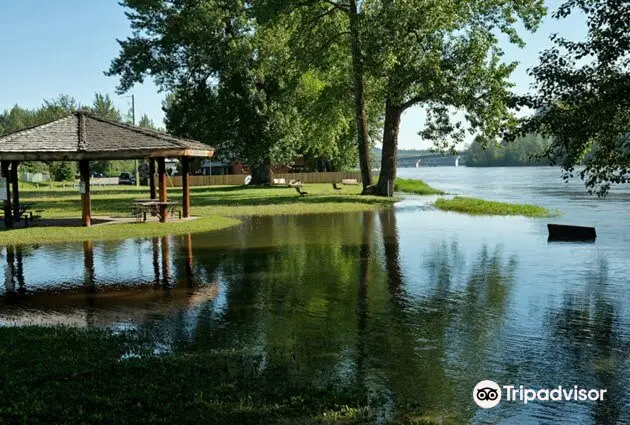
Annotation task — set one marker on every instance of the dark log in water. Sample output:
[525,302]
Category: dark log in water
[562,232]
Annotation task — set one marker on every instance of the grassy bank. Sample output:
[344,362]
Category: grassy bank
[476,206]
[415,186]
[218,206]
[70,376]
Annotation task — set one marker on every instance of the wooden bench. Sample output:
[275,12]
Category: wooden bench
[350,181]
[279,182]
[31,218]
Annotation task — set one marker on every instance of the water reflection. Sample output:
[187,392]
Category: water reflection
[407,325]
[96,299]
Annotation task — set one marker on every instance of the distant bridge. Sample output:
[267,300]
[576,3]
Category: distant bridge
[431,160]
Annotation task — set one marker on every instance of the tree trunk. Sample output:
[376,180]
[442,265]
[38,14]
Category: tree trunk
[359,97]
[260,174]
[385,186]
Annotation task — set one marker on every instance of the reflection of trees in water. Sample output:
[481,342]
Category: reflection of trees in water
[439,341]
[331,312]
[589,344]
[328,304]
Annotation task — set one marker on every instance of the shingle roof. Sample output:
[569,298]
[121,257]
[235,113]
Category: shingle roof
[86,136]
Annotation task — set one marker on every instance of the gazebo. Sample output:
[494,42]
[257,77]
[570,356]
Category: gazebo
[84,137]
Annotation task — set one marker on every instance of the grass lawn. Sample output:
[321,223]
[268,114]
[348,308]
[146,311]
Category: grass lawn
[476,206]
[218,206]
[69,376]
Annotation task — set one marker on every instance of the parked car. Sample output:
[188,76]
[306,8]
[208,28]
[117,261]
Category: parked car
[96,174]
[126,178]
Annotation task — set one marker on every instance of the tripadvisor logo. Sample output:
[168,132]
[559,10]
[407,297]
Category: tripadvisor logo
[487,394]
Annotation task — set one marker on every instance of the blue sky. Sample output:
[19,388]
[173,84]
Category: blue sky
[63,46]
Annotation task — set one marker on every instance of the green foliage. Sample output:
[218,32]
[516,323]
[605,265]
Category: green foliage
[474,206]
[581,96]
[104,107]
[445,56]
[63,171]
[239,87]
[146,122]
[524,150]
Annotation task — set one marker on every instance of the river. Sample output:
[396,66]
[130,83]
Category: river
[414,304]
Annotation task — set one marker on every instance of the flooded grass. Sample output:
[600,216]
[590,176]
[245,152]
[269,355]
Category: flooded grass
[208,200]
[213,204]
[52,234]
[476,206]
[70,376]
[418,187]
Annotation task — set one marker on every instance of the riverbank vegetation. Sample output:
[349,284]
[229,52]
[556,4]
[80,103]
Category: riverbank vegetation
[415,186]
[523,151]
[73,376]
[474,206]
[582,105]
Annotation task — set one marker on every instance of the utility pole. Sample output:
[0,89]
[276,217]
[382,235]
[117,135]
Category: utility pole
[133,121]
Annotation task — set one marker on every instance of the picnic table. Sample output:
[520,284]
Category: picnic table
[154,207]
[25,212]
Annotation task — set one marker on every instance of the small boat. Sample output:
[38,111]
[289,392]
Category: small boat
[563,232]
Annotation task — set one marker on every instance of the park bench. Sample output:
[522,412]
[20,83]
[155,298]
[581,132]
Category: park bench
[30,218]
[350,181]
[279,182]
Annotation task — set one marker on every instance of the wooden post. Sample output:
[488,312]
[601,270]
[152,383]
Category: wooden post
[16,190]
[152,178]
[8,211]
[186,186]
[162,182]
[86,206]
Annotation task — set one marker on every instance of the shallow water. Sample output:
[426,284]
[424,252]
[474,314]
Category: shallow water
[414,305]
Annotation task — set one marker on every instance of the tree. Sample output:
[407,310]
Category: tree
[323,26]
[230,83]
[63,171]
[443,56]
[146,122]
[582,96]
[104,107]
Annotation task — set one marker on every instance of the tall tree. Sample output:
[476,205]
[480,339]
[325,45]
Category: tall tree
[146,122]
[229,77]
[104,107]
[443,56]
[582,96]
[323,26]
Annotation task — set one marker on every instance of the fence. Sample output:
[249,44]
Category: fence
[34,177]
[238,179]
